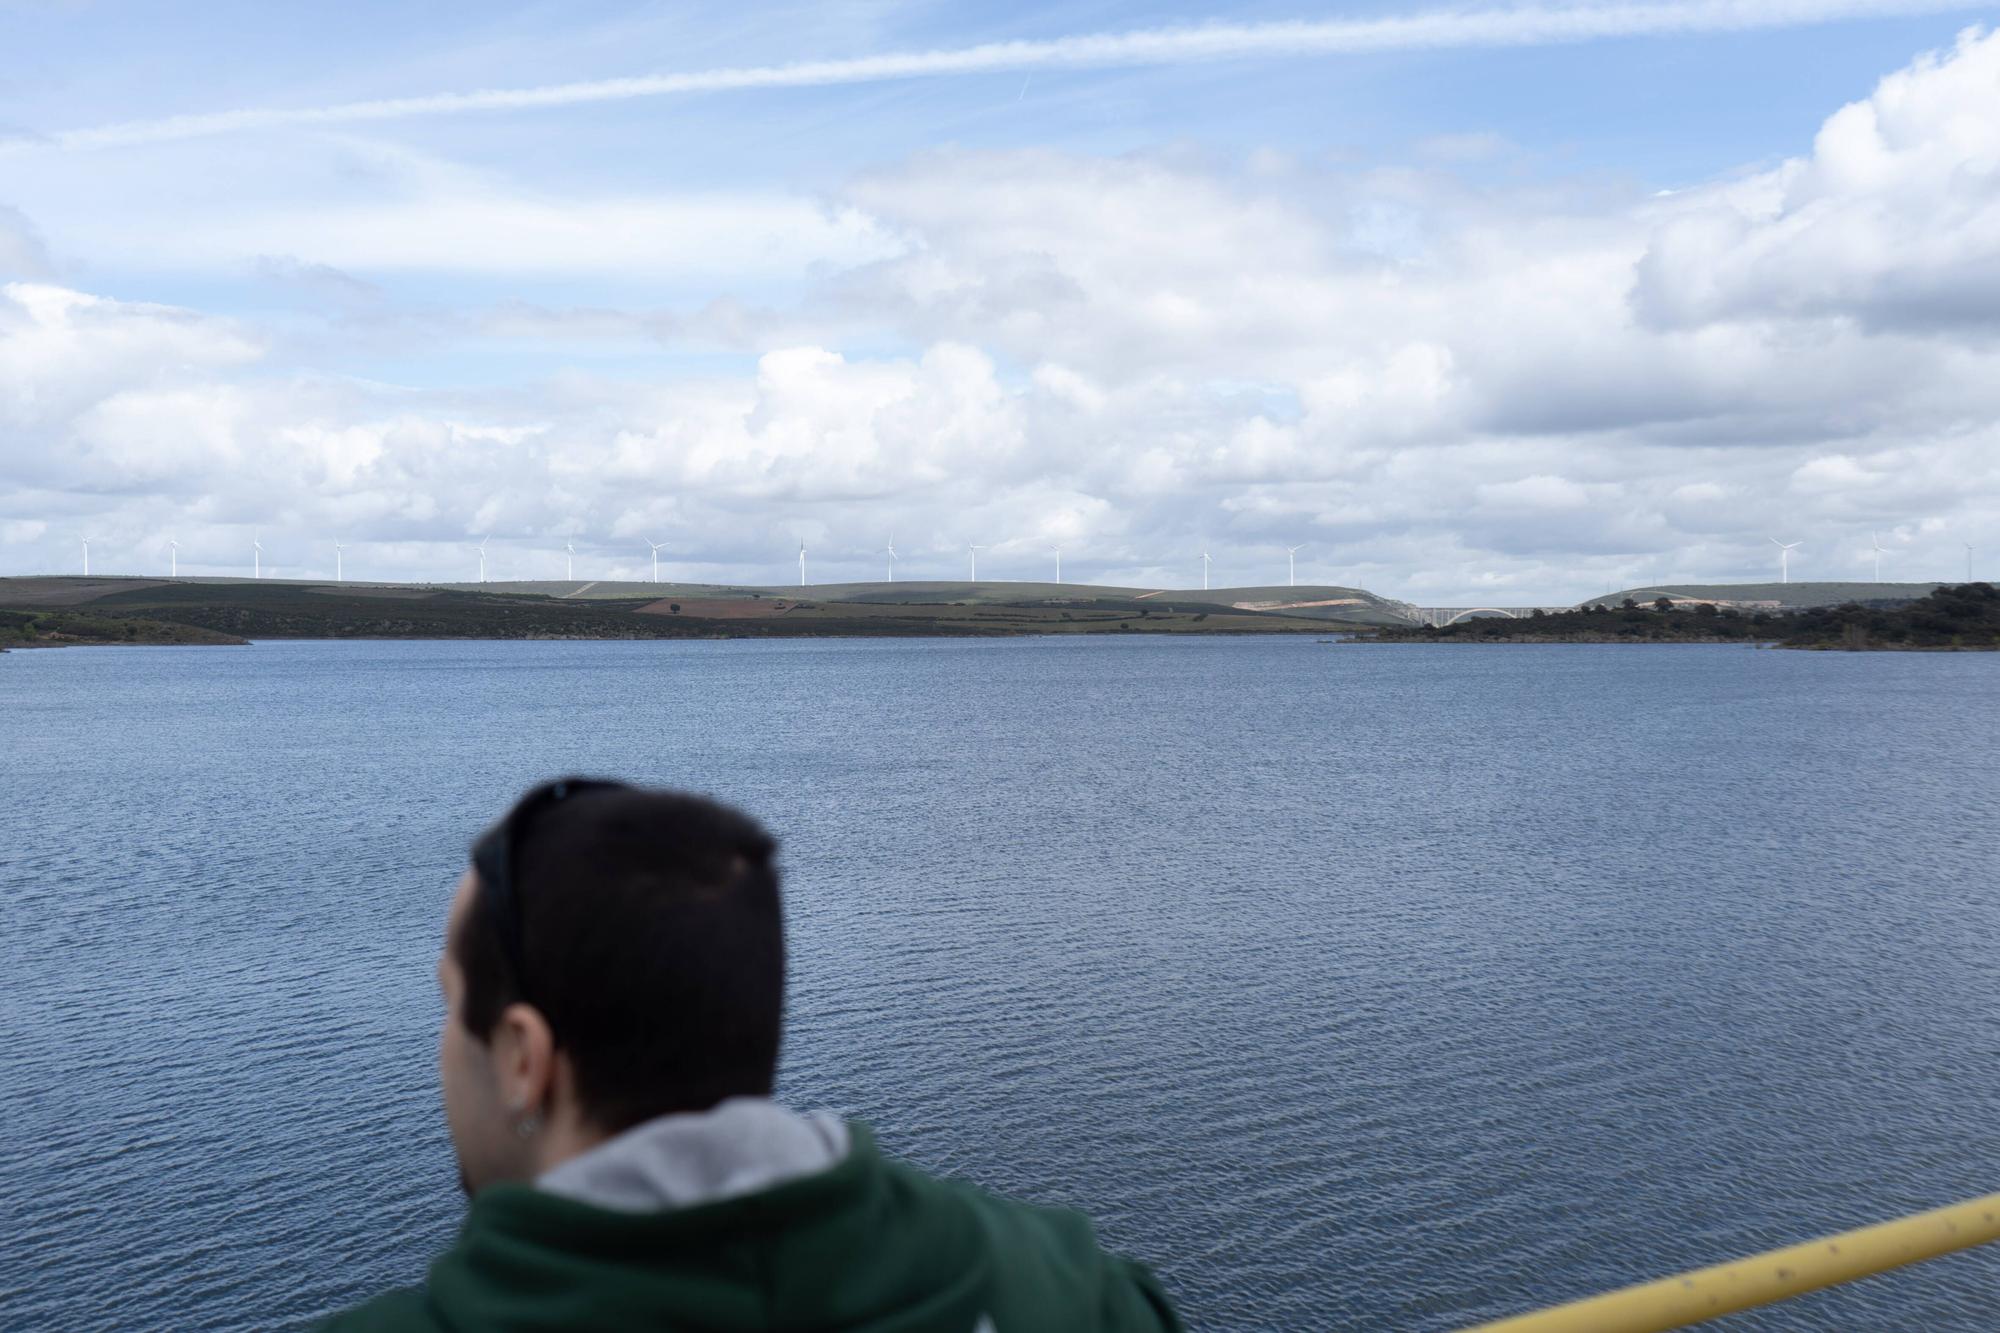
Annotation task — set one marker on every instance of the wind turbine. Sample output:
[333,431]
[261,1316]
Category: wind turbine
[802,562]
[173,559]
[482,558]
[1292,563]
[86,557]
[338,547]
[1204,569]
[1876,538]
[1784,559]
[656,558]
[256,558]
[1968,562]
[891,548]
[1058,551]
[974,551]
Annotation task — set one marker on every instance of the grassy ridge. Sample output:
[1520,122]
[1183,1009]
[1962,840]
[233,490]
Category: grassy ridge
[1797,596]
[1313,602]
[270,609]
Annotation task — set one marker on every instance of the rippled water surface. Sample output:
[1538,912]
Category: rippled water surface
[1354,987]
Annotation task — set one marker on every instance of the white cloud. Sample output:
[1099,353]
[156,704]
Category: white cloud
[64,354]
[1129,266]
[1540,494]
[336,212]
[22,254]
[503,233]
[1893,220]
[1523,393]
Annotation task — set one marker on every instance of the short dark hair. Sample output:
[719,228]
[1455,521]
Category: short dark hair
[651,940]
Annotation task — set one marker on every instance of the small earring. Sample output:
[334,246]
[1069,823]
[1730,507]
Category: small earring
[527,1125]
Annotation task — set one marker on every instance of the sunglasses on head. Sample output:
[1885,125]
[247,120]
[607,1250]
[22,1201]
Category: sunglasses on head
[498,852]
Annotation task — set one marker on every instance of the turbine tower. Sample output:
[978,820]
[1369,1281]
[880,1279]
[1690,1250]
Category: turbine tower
[86,557]
[802,562]
[1785,550]
[656,558]
[1204,569]
[1876,538]
[1292,563]
[891,548]
[173,559]
[569,570]
[482,558]
[1968,562]
[1058,551]
[974,551]
[338,547]
[256,558]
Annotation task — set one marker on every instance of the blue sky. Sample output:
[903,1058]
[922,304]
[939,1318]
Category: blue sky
[1472,322]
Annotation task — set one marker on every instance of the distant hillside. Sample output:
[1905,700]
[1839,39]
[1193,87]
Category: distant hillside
[1960,616]
[57,627]
[1950,618]
[1770,596]
[1315,602]
[274,609]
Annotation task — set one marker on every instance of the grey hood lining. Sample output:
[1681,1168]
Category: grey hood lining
[740,1146]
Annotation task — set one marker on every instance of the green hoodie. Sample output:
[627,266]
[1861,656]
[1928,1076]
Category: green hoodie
[866,1246]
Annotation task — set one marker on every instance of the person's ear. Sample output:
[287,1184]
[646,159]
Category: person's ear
[524,1066]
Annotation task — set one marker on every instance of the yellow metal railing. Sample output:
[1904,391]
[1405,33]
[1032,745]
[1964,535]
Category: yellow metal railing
[1776,1275]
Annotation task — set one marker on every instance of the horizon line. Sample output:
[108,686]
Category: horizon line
[786,588]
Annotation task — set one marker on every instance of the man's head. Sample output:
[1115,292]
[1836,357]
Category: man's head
[612,954]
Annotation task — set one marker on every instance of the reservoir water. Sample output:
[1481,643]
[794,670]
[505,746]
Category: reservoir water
[1354,987]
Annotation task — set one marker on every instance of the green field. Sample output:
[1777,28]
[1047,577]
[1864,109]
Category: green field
[272,608]
[1353,605]
[1795,596]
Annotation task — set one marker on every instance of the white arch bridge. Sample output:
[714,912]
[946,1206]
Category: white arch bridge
[1439,616]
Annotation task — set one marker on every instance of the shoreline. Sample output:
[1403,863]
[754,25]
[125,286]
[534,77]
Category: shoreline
[57,612]
[60,612]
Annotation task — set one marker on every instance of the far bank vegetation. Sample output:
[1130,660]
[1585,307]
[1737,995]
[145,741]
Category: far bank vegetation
[1960,618]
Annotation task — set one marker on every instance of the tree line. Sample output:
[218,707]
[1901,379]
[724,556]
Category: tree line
[1960,616]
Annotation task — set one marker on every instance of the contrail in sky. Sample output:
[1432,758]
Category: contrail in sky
[1532,25]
